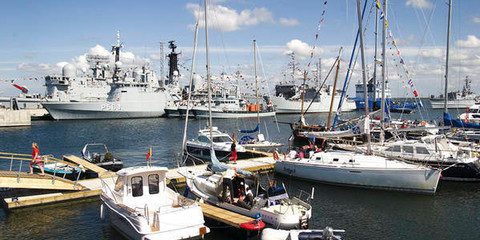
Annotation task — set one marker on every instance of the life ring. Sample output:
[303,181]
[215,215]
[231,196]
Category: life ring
[224,108]
[118,99]
[423,123]
[275,156]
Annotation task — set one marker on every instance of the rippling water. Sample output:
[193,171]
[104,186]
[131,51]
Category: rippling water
[453,213]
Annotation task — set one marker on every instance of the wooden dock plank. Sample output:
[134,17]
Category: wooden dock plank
[85,164]
[29,201]
[224,216]
[10,179]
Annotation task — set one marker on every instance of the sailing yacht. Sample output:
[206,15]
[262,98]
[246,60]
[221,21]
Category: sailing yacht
[359,169]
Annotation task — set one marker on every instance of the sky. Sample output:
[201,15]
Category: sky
[37,38]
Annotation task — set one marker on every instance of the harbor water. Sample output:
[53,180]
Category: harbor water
[452,213]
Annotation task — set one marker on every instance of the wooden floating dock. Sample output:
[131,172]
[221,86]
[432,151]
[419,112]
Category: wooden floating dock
[221,215]
[92,187]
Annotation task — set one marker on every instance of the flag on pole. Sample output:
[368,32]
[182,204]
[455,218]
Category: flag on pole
[149,154]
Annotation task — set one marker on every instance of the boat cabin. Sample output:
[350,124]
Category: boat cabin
[137,186]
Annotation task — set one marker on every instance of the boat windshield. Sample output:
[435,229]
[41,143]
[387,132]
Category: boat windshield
[221,139]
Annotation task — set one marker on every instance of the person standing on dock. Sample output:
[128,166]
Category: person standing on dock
[36,159]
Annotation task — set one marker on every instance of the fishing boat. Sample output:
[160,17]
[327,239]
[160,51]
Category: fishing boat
[141,206]
[101,157]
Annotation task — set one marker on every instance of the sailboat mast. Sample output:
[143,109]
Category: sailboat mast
[209,81]
[446,58]
[334,87]
[384,61]
[256,82]
[184,142]
[364,76]
[374,97]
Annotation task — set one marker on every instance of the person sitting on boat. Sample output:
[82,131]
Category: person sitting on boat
[249,195]
[36,159]
[271,188]
[241,200]
[228,176]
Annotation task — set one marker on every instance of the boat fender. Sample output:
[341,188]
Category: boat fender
[102,212]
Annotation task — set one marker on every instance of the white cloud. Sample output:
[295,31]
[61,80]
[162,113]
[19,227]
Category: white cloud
[301,49]
[225,19]
[471,42]
[476,19]
[419,3]
[289,22]
[432,53]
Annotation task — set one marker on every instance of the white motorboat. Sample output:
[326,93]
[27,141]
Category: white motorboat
[141,206]
[294,234]
[222,143]
[278,210]
[101,157]
[472,115]
[361,170]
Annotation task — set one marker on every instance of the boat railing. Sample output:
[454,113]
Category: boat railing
[106,187]
[27,157]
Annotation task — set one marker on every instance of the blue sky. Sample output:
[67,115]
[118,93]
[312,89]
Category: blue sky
[38,37]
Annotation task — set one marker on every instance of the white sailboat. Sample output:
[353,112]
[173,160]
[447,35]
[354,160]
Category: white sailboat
[141,206]
[258,141]
[358,169]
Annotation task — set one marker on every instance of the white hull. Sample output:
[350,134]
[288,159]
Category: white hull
[280,216]
[283,105]
[107,109]
[141,206]
[377,175]
[217,113]
[118,219]
[464,103]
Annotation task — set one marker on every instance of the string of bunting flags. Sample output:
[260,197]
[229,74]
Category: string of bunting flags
[398,52]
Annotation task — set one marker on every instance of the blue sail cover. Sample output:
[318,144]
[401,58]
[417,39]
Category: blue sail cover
[246,139]
[251,131]
[457,123]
